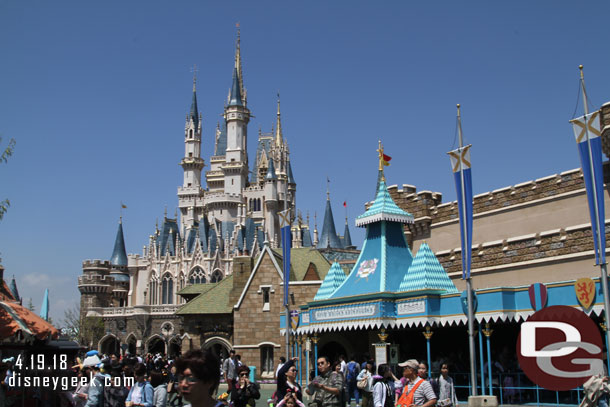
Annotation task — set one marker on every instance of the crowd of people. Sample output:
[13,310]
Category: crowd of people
[192,380]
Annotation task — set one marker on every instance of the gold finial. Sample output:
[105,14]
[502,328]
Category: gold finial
[380,151]
[581,71]
[458,109]
[327,188]
[278,129]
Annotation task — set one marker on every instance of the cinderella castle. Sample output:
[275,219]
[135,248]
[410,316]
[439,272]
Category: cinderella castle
[235,216]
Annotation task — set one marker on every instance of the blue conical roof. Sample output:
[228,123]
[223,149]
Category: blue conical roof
[332,281]
[194,114]
[329,238]
[235,98]
[44,308]
[271,171]
[347,238]
[13,288]
[290,176]
[426,273]
[383,208]
[119,254]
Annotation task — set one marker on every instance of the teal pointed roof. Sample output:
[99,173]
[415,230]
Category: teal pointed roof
[44,308]
[271,171]
[329,238]
[426,273]
[13,288]
[332,281]
[383,208]
[119,254]
[235,98]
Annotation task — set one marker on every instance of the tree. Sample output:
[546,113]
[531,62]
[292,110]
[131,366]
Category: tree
[31,305]
[8,151]
[86,331]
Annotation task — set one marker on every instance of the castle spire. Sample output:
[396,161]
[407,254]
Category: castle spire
[278,126]
[329,238]
[194,114]
[119,254]
[238,93]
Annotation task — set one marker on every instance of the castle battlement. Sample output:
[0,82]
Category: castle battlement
[96,264]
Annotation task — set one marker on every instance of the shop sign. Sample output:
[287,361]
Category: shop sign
[411,307]
[356,311]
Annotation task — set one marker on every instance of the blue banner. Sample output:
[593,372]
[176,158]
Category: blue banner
[587,133]
[460,163]
[286,243]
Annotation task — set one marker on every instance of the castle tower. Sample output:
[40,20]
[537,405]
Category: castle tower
[237,116]
[271,204]
[190,194]
[118,269]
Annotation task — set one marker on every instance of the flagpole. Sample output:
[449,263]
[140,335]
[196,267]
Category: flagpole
[597,220]
[464,236]
[286,285]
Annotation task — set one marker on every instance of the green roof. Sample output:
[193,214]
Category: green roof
[196,289]
[300,259]
[215,300]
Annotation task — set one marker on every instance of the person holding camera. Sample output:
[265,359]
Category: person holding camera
[287,380]
[326,388]
[244,393]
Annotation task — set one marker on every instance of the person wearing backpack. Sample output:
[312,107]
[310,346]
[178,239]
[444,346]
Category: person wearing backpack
[417,392]
[353,369]
[382,392]
[141,393]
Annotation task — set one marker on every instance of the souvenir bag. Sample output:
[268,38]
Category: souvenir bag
[362,383]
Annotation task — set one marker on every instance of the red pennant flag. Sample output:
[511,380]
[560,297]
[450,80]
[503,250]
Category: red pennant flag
[345,204]
[386,160]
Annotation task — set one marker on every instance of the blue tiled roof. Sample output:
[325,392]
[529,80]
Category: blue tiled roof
[119,254]
[426,272]
[329,238]
[271,172]
[383,208]
[235,99]
[290,176]
[264,147]
[347,238]
[168,245]
[306,236]
[334,278]
[194,115]
[191,239]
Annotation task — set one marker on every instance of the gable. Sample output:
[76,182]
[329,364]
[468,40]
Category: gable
[265,261]
[312,273]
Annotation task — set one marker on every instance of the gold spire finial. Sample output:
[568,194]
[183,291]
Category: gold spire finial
[381,160]
[278,126]
[581,72]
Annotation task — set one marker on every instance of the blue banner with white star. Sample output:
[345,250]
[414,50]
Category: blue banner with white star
[460,163]
[588,137]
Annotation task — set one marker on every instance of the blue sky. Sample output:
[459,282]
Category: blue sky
[96,93]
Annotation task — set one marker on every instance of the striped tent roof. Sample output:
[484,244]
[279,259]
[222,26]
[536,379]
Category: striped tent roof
[331,282]
[383,208]
[426,272]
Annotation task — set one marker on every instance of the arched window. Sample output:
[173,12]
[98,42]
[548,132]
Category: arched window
[191,133]
[267,362]
[258,204]
[154,289]
[197,276]
[216,276]
[167,290]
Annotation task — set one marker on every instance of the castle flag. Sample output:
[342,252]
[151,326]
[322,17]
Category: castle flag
[386,160]
[587,133]
[460,164]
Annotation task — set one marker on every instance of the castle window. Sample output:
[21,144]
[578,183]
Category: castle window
[216,276]
[191,133]
[265,291]
[197,276]
[154,290]
[167,290]
[267,362]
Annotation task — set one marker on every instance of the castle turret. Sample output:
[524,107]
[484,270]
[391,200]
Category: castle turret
[329,238]
[190,194]
[119,254]
[347,238]
[237,116]
[271,202]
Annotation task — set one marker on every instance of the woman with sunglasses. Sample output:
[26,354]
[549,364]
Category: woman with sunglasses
[244,393]
[198,378]
[287,380]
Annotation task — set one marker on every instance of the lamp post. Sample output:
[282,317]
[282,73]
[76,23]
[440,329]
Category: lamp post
[428,335]
[487,332]
[315,351]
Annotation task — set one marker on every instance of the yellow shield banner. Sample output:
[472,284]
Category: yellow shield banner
[585,291]
[294,319]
